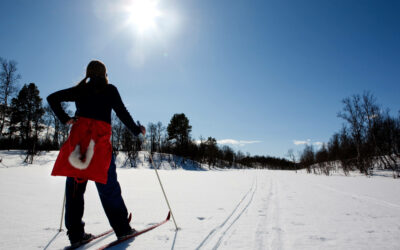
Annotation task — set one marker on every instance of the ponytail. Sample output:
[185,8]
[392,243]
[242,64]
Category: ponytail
[81,83]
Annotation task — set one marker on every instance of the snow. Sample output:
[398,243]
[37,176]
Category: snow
[230,209]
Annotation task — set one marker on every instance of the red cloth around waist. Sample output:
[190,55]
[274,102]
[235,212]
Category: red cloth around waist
[87,152]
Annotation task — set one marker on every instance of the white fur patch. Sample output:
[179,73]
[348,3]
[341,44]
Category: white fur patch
[75,156]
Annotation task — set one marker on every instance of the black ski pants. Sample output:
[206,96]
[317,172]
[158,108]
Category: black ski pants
[111,199]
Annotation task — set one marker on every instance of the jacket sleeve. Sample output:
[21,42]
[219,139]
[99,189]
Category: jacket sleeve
[122,113]
[55,99]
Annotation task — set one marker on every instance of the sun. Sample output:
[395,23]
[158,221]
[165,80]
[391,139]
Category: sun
[145,28]
[143,14]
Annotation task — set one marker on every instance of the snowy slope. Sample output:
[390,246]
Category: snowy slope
[235,209]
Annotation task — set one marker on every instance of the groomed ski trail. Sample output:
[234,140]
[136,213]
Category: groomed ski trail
[236,218]
[362,198]
[270,225]
[259,226]
[262,234]
[220,231]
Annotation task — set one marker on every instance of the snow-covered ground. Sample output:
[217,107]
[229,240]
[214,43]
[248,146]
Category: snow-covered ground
[235,209]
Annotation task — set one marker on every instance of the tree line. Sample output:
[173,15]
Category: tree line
[26,123]
[370,137]
[175,139]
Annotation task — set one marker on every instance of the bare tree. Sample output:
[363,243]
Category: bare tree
[211,151]
[307,158]
[292,158]
[239,156]
[373,116]
[131,145]
[228,155]
[117,133]
[152,135]
[8,81]
[159,136]
[321,157]
[60,131]
[354,114]
[54,123]
[387,137]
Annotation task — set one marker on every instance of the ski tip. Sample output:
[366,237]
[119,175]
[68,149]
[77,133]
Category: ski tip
[168,216]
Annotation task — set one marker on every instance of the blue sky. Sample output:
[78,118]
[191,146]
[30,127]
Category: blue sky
[263,74]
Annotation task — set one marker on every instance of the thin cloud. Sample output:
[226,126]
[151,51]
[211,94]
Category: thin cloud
[298,142]
[318,143]
[307,142]
[236,142]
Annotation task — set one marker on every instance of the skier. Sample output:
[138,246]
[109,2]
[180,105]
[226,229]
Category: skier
[87,153]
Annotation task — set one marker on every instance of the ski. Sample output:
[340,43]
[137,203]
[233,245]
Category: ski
[89,240]
[116,242]
[94,237]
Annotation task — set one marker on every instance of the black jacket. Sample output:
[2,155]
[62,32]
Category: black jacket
[93,100]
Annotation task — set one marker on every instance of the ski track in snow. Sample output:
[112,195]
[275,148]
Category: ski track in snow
[225,226]
[361,197]
[268,232]
[261,200]
[259,226]
[261,232]
[268,228]
[275,225]
[237,217]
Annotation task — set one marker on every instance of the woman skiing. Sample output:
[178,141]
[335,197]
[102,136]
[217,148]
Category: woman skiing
[87,153]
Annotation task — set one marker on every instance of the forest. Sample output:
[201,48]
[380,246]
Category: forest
[369,139]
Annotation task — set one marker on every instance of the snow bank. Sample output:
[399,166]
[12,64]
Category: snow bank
[15,158]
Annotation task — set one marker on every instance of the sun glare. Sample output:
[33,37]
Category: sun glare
[143,14]
[146,27]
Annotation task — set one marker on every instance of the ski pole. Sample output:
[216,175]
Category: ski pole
[159,180]
[162,188]
[62,210]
